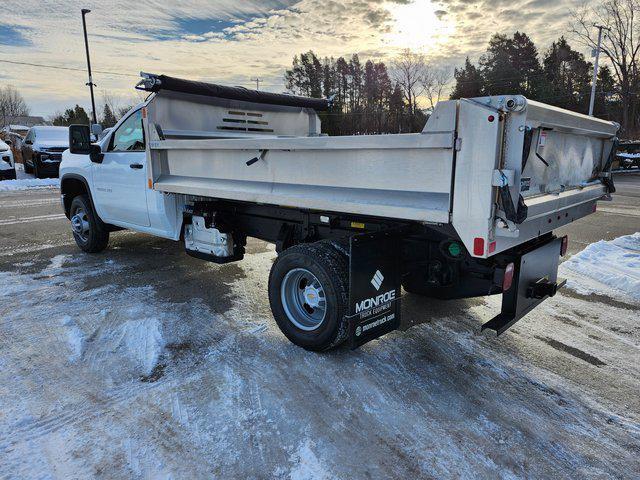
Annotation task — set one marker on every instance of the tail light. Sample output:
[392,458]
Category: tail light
[478,246]
[564,245]
[508,277]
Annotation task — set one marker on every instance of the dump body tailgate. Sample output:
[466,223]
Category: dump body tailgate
[525,168]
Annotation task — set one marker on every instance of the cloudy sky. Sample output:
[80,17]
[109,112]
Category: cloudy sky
[233,41]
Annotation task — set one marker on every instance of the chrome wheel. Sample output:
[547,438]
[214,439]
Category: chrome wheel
[80,224]
[303,299]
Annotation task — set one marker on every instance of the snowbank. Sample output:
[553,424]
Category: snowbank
[28,183]
[607,265]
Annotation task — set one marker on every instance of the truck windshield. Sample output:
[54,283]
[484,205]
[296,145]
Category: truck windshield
[55,134]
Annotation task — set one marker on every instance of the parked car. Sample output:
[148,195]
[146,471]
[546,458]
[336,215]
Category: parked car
[629,155]
[7,163]
[42,150]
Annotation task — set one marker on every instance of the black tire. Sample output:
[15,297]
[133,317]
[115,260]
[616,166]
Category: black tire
[96,237]
[416,288]
[331,268]
[36,170]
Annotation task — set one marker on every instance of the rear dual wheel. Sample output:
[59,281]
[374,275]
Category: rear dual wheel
[309,294]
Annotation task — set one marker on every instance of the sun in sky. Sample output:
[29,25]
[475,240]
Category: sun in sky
[418,26]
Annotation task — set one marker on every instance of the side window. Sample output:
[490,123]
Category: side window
[30,136]
[129,137]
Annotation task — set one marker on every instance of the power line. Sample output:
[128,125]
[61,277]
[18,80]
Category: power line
[60,67]
[106,72]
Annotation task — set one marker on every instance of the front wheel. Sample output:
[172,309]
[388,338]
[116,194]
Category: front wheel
[308,293]
[89,232]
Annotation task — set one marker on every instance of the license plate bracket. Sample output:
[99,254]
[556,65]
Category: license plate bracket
[535,279]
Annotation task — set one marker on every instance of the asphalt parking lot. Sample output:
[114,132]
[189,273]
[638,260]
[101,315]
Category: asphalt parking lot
[141,362]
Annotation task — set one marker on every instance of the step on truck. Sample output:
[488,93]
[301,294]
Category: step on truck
[465,208]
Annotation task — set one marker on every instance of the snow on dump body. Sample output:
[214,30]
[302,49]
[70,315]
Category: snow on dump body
[608,265]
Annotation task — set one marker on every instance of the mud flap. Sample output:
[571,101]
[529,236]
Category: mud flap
[535,279]
[374,285]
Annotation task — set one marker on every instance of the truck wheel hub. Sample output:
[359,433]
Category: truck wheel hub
[80,224]
[303,299]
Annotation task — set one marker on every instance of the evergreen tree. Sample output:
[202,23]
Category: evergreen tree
[468,81]
[567,77]
[108,118]
[72,116]
[511,66]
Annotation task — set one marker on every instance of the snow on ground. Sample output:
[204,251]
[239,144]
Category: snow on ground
[26,181]
[609,267]
[107,371]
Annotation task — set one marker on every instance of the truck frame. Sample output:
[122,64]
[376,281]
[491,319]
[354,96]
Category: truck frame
[465,208]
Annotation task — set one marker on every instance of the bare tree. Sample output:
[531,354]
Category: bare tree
[120,104]
[12,104]
[409,70]
[621,46]
[435,81]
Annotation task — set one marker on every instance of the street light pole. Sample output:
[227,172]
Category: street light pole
[595,69]
[86,46]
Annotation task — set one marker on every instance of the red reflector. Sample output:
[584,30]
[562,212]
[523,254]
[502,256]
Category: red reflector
[595,207]
[478,246]
[508,277]
[564,245]
[492,247]
[491,118]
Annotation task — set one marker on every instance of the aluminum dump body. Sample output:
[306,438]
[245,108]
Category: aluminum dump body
[230,148]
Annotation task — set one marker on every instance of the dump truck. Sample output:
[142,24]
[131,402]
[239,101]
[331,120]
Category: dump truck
[465,208]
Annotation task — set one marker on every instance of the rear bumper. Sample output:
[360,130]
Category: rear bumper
[535,279]
[9,174]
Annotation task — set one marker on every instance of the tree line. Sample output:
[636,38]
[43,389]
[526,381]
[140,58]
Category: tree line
[113,109]
[372,98]
[366,98]
[562,77]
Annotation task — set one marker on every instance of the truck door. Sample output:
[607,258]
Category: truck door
[120,181]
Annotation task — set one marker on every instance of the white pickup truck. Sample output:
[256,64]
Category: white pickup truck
[465,208]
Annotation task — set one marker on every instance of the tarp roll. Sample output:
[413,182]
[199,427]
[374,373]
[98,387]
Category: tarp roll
[236,93]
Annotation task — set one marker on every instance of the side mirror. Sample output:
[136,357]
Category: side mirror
[8,142]
[28,142]
[79,139]
[96,155]
[80,143]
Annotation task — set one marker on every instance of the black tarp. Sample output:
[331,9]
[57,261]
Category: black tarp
[235,93]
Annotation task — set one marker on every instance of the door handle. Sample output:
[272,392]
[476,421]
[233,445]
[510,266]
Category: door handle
[136,166]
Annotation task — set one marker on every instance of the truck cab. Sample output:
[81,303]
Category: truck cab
[114,177]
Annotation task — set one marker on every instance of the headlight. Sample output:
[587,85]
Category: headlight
[2,149]
[7,159]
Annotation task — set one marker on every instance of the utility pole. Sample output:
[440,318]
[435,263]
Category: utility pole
[86,46]
[257,80]
[595,68]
